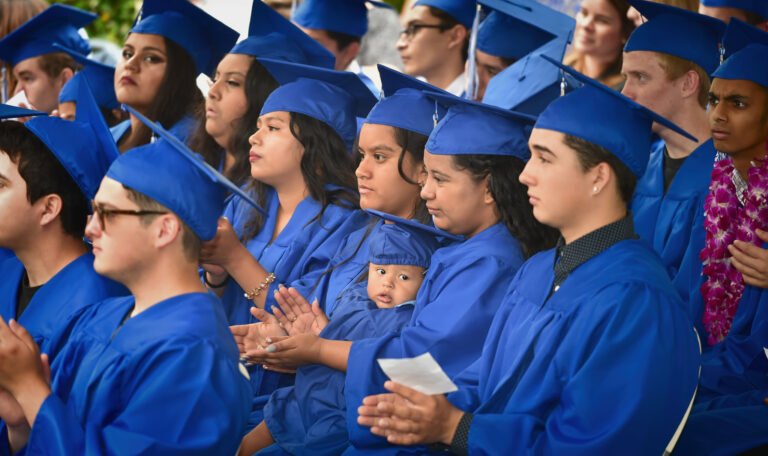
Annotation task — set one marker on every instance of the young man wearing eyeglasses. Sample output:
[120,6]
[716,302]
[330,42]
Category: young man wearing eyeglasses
[156,372]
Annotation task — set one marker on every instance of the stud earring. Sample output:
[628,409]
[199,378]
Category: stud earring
[594,189]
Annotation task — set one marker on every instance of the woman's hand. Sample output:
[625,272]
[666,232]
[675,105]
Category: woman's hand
[222,250]
[289,352]
[251,339]
[408,417]
[297,315]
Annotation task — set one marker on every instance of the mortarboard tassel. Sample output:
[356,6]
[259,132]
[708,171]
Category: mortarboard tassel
[472,64]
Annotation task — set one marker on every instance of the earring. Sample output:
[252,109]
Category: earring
[594,189]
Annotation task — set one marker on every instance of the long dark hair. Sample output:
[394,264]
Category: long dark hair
[176,97]
[326,160]
[511,199]
[258,85]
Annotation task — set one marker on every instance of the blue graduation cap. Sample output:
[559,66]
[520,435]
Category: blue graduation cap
[759,7]
[513,29]
[204,37]
[607,118]
[415,225]
[405,105]
[470,127]
[272,36]
[739,35]
[56,24]
[342,16]
[12,112]
[531,84]
[166,170]
[84,147]
[461,10]
[333,97]
[679,32]
[101,79]
[403,242]
[749,63]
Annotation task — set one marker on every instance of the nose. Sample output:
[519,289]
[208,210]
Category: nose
[214,92]
[716,114]
[428,190]
[402,42]
[628,90]
[92,227]
[363,170]
[526,175]
[254,138]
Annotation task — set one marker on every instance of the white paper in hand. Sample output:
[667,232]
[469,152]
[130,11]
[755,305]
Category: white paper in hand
[421,373]
[766,352]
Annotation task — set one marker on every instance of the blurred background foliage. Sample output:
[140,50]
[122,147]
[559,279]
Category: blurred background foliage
[115,17]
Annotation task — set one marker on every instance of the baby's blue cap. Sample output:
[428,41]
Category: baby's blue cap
[405,242]
[84,147]
[679,32]
[461,10]
[12,112]
[514,29]
[56,24]
[531,84]
[739,35]
[271,35]
[101,80]
[178,178]
[470,128]
[749,63]
[759,7]
[333,97]
[343,16]
[405,105]
[606,118]
[204,37]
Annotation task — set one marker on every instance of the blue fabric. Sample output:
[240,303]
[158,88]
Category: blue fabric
[300,248]
[181,129]
[165,382]
[343,16]
[508,37]
[749,63]
[461,10]
[369,83]
[76,286]
[454,308]
[673,224]
[5,254]
[119,130]
[739,35]
[756,6]
[10,112]
[309,417]
[101,80]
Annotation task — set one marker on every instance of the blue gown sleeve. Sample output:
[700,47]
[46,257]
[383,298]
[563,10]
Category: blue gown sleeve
[182,400]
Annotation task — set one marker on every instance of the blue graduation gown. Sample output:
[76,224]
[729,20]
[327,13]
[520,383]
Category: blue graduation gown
[5,253]
[181,129]
[673,224]
[76,286]
[461,293]
[309,417]
[300,248]
[734,382]
[166,382]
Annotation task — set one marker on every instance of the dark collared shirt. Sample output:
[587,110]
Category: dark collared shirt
[568,257]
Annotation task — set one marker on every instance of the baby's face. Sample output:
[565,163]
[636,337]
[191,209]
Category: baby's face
[393,284]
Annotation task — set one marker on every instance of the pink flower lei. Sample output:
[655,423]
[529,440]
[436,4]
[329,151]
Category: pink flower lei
[726,221]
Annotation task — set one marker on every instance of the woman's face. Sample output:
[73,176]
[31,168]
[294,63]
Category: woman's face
[275,153]
[140,72]
[598,29]
[379,182]
[458,203]
[558,187]
[226,102]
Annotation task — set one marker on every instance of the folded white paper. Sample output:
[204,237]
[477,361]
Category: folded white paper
[766,352]
[421,373]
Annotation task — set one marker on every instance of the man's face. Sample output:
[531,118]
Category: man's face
[738,116]
[647,84]
[17,215]
[42,90]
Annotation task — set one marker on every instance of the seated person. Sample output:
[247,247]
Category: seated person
[309,417]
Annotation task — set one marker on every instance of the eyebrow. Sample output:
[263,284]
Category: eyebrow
[379,147]
[268,118]
[542,149]
[152,48]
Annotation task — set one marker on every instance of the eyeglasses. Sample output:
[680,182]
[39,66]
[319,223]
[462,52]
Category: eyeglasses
[411,29]
[103,214]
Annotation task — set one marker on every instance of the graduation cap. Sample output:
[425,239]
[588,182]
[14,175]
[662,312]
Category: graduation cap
[749,63]
[405,105]
[679,32]
[56,24]
[271,35]
[461,10]
[84,147]
[469,128]
[606,118]
[333,97]
[514,28]
[204,37]
[167,169]
[101,80]
[13,112]
[531,84]
[349,17]
[739,35]
[759,7]
[404,241]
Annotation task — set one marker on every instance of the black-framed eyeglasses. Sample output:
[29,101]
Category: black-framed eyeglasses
[102,213]
[411,29]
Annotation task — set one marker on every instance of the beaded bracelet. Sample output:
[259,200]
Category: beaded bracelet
[250,295]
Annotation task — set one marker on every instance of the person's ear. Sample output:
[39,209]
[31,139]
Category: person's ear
[458,35]
[167,229]
[50,208]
